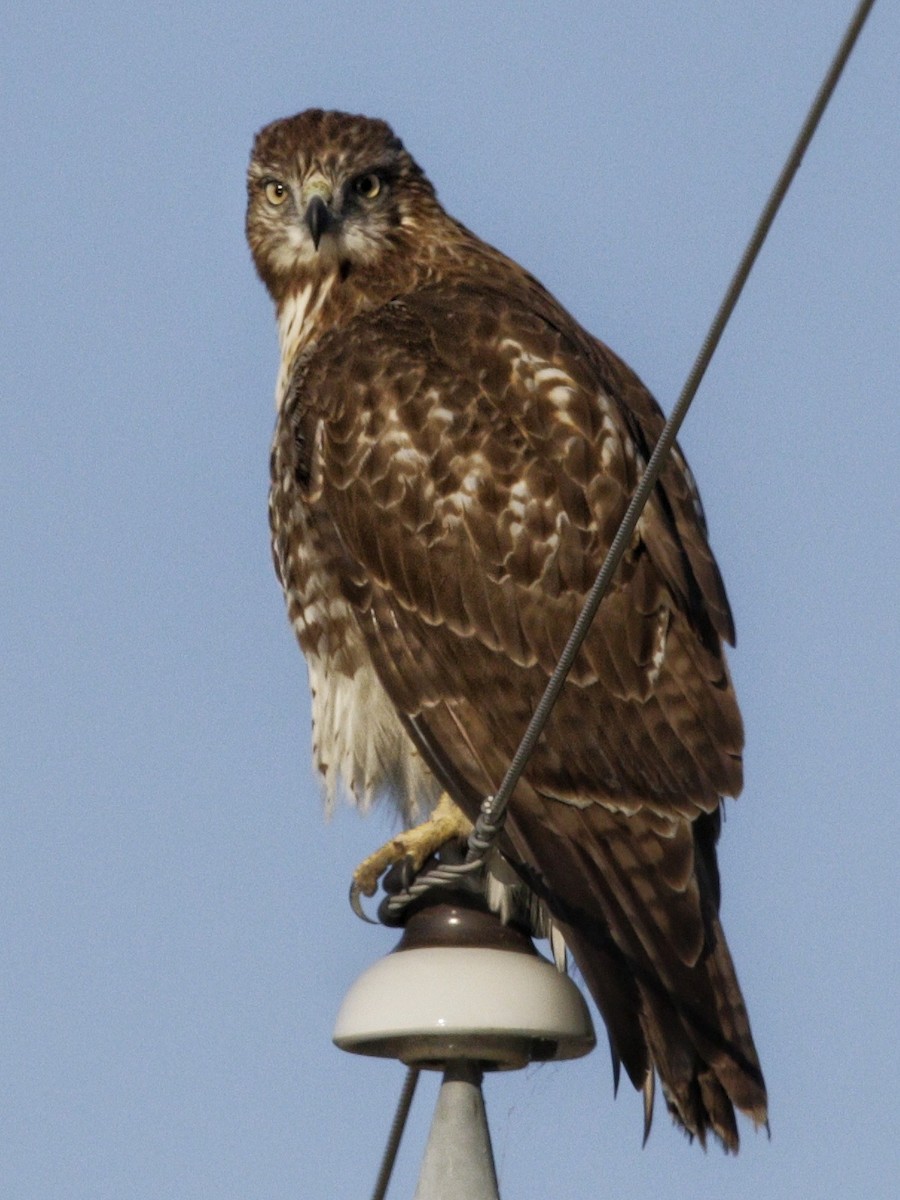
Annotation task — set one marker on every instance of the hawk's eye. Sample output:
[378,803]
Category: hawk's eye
[368,186]
[276,192]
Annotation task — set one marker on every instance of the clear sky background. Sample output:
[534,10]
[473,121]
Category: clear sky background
[174,931]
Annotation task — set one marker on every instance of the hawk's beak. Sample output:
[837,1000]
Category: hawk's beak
[318,216]
[318,219]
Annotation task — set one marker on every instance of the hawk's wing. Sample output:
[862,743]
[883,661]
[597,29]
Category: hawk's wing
[474,461]
[468,455]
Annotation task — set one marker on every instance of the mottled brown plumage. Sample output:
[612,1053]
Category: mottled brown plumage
[452,457]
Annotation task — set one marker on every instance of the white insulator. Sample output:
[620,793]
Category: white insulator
[432,1004]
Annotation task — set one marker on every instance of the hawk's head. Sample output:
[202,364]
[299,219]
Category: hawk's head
[330,193]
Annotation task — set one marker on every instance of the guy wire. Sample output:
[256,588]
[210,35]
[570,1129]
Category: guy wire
[396,1133]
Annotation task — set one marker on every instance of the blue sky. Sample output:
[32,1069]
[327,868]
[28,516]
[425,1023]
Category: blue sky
[175,937]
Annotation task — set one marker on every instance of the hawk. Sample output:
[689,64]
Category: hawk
[452,456]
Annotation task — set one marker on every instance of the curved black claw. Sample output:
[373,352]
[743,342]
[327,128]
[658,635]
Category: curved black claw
[355,899]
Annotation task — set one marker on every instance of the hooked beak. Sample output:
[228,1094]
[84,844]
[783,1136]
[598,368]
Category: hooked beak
[318,215]
[318,219]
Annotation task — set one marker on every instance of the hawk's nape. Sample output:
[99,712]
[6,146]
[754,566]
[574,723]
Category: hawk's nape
[452,456]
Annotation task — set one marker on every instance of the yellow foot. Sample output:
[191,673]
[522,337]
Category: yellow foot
[415,845]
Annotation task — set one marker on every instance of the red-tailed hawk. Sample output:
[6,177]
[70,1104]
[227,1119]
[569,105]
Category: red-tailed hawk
[453,454]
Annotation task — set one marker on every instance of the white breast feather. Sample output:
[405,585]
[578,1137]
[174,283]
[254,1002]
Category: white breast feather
[297,316]
[359,744]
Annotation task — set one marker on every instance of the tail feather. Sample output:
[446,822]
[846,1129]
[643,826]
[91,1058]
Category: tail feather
[638,906]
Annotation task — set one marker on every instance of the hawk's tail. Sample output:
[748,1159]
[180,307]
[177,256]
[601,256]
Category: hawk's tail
[638,902]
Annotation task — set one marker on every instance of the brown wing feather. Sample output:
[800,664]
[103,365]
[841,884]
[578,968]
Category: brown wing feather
[490,539]
[476,453]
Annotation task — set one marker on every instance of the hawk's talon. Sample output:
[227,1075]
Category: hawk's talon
[397,863]
[356,892]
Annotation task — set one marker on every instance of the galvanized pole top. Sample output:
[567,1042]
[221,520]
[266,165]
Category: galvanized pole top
[459,1161]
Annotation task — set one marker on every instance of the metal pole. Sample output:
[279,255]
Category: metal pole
[459,1162]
